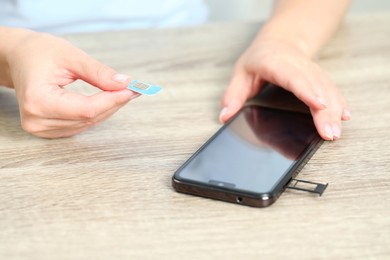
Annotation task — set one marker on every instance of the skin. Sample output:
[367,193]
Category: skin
[38,66]
[282,54]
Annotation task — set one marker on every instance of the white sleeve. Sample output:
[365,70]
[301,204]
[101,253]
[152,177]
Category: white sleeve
[69,16]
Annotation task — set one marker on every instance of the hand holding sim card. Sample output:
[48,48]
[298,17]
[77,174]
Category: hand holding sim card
[144,88]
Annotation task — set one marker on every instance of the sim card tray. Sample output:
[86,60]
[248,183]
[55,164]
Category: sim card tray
[308,186]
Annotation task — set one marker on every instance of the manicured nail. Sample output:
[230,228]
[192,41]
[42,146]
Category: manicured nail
[336,131]
[347,114]
[120,78]
[328,132]
[321,101]
[223,113]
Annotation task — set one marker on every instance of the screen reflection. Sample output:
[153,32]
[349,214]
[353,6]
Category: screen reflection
[254,151]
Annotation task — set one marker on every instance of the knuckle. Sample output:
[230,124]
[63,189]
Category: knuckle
[89,113]
[267,66]
[30,107]
[294,84]
[91,122]
[299,95]
[100,72]
[31,126]
[103,74]
[114,99]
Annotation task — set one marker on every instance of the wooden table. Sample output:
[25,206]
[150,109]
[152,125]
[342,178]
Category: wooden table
[106,193]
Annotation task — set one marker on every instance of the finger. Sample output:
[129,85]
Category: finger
[296,81]
[346,115]
[55,128]
[329,91]
[49,128]
[99,75]
[326,88]
[238,91]
[61,133]
[74,106]
[328,122]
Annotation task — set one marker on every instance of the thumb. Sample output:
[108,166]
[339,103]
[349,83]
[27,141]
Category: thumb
[99,75]
[237,93]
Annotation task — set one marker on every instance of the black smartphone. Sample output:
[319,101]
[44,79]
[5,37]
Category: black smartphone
[252,158]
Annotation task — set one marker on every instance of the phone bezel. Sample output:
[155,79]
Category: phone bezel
[240,196]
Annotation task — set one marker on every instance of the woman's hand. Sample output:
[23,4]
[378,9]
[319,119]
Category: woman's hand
[40,65]
[287,66]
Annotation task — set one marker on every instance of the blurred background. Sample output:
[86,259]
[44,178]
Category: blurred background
[248,10]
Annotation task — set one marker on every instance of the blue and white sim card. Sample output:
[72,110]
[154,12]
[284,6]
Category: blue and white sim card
[144,88]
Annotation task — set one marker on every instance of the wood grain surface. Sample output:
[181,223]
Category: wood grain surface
[106,193]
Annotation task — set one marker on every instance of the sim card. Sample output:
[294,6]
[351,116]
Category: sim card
[144,88]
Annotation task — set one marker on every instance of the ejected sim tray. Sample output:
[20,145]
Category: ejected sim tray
[308,186]
[144,88]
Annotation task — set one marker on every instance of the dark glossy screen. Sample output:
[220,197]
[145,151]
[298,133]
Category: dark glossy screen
[253,152]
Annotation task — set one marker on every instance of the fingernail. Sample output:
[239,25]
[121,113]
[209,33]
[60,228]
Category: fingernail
[321,101]
[120,78]
[347,114]
[328,132]
[336,131]
[223,113]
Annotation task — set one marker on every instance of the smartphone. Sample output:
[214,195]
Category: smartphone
[251,158]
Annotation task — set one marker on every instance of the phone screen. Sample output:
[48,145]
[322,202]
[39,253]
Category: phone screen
[253,152]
